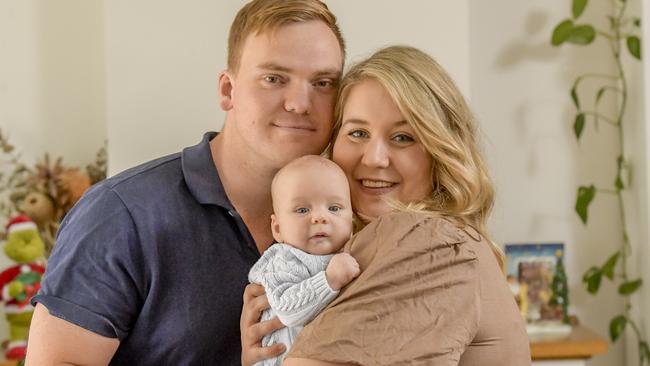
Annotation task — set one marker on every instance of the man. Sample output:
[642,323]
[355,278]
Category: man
[150,266]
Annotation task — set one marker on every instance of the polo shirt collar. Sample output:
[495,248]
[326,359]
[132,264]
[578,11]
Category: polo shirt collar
[201,175]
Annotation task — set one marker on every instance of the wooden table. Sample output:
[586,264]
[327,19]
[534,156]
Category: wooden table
[574,349]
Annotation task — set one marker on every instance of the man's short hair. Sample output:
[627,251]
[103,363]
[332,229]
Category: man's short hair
[259,16]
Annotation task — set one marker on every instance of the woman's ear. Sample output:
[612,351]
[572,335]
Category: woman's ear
[226,83]
[275,229]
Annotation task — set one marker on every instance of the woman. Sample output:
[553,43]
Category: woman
[431,290]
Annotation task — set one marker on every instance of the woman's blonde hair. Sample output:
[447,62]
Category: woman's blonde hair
[433,106]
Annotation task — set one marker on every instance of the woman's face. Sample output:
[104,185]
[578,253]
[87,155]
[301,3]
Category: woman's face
[379,152]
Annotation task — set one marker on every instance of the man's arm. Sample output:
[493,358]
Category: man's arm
[53,341]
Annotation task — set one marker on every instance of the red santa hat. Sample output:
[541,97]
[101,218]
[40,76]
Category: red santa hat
[20,223]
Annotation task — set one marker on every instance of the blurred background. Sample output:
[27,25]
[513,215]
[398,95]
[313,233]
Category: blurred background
[142,75]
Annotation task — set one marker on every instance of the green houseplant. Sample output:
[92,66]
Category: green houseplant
[622,37]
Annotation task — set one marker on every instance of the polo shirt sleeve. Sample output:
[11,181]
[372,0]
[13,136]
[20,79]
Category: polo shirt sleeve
[95,277]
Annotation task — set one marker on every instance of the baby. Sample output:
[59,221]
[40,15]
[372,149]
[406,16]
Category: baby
[303,272]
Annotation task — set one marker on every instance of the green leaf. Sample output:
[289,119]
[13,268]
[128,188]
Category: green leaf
[644,351]
[585,196]
[612,21]
[574,97]
[637,22]
[629,287]
[600,93]
[617,326]
[634,46]
[562,32]
[592,279]
[582,35]
[579,125]
[608,267]
[618,183]
[578,7]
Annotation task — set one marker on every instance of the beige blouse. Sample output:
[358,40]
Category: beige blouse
[429,294]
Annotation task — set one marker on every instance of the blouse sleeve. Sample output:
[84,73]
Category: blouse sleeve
[416,302]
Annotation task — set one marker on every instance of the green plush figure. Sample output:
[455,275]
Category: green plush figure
[21,282]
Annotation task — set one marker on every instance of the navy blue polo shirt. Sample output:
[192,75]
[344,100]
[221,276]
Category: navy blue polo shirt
[157,257]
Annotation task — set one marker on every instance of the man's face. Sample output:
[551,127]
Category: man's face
[282,96]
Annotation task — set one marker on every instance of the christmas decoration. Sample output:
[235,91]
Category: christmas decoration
[21,281]
[44,192]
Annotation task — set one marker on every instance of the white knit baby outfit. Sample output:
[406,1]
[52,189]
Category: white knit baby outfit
[297,290]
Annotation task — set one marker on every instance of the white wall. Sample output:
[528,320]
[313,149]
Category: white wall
[637,200]
[520,92]
[163,58]
[51,82]
[644,248]
[51,77]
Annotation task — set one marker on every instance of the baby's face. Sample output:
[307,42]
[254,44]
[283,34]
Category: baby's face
[312,209]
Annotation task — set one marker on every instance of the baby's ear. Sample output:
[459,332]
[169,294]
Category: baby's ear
[275,229]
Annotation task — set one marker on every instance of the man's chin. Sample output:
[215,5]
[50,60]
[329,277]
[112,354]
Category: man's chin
[288,154]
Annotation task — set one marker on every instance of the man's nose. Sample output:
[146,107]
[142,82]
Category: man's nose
[298,98]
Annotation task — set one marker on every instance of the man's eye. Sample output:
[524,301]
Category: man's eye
[272,79]
[357,133]
[324,83]
[334,208]
[302,210]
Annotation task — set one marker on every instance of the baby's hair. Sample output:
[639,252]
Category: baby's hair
[301,163]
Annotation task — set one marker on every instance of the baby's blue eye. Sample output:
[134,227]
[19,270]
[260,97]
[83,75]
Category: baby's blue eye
[302,210]
[334,208]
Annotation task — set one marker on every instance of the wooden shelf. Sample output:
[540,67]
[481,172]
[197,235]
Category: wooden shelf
[580,343]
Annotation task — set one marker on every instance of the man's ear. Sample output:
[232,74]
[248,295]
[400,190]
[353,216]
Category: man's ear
[226,82]
[275,229]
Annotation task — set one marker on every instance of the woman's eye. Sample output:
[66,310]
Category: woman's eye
[302,210]
[357,133]
[402,138]
[334,208]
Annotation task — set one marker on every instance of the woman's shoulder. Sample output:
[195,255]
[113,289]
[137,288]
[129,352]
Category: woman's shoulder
[443,228]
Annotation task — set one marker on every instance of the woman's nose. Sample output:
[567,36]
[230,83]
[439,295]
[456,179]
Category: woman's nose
[376,154]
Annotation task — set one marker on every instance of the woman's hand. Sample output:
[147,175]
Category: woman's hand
[252,330]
